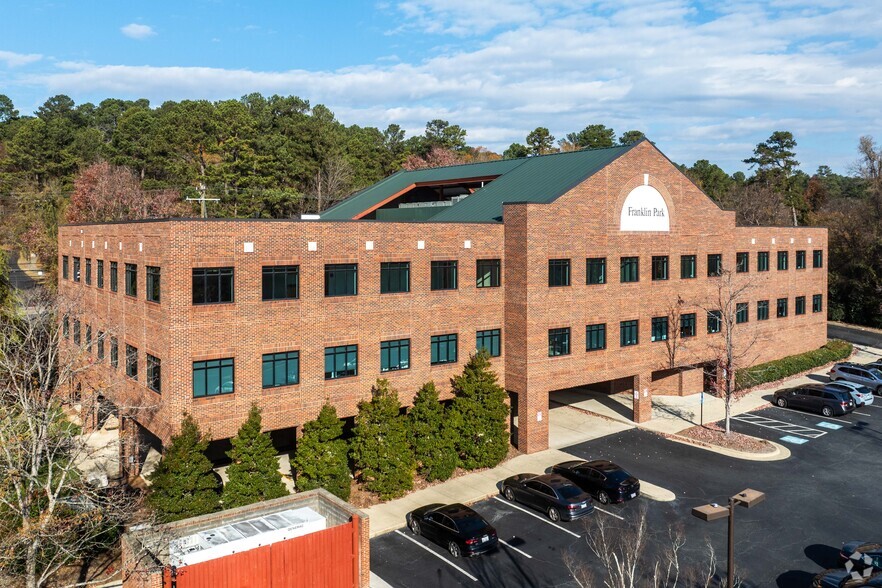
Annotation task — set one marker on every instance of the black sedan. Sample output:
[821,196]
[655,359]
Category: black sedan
[455,527]
[554,495]
[603,479]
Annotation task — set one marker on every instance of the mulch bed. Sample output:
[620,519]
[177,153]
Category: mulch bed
[715,435]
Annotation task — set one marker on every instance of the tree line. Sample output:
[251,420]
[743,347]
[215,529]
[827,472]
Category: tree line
[279,156]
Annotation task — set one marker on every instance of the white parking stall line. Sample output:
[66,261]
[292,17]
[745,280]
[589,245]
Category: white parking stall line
[871,406]
[534,515]
[442,558]
[513,548]
[862,413]
[609,513]
[810,415]
[780,426]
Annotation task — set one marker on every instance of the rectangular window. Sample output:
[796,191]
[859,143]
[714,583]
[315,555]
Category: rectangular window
[114,352]
[817,303]
[783,260]
[595,270]
[488,273]
[714,264]
[687,267]
[154,374]
[799,305]
[762,261]
[100,276]
[818,258]
[394,277]
[394,355]
[558,342]
[687,325]
[714,321]
[782,308]
[131,279]
[76,269]
[341,362]
[131,361]
[88,337]
[280,282]
[595,337]
[65,327]
[659,267]
[741,313]
[153,283]
[213,378]
[490,340]
[800,260]
[628,333]
[444,275]
[100,345]
[212,285]
[65,272]
[444,349]
[88,272]
[114,280]
[76,329]
[742,262]
[281,369]
[659,328]
[630,269]
[558,272]
[762,310]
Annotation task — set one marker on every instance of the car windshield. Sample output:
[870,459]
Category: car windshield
[471,525]
[876,374]
[617,476]
[569,491]
[864,390]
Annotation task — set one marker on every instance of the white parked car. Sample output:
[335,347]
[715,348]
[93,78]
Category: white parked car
[861,394]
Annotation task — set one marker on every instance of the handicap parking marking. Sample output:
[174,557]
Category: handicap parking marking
[794,440]
[609,513]
[441,557]
[512,547]
[783,426]
[829,426]
[534,515]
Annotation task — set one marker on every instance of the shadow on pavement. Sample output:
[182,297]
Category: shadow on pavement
[819,378]
[794,579]
[823,555]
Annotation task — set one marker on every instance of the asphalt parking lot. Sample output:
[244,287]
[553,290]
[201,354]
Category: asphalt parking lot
[824,494]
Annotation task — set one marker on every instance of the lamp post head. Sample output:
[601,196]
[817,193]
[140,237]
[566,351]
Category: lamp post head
[710,512]
[749,498]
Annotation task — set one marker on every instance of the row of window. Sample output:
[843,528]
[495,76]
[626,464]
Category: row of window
[595,335]
[131,276]
[559,273]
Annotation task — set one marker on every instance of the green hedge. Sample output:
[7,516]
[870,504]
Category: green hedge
[834,350]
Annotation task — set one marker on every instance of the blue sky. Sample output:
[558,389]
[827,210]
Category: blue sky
[703,79]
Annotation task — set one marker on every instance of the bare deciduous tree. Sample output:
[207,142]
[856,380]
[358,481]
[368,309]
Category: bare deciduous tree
[51,514]
[674,342]
[331,182]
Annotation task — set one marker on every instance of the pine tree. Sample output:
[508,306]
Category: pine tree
[380,447]
[480,414]
[183,484]
[431,437]
[254,474]
[321,460]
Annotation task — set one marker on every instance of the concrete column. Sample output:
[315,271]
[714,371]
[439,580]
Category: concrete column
[642,395]
[532,421]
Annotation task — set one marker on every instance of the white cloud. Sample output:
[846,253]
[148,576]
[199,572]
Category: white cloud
[137,31]
[12,59]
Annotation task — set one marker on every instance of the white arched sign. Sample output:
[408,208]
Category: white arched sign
[645,209]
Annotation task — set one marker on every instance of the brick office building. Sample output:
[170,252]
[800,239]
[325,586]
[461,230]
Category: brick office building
[564,266]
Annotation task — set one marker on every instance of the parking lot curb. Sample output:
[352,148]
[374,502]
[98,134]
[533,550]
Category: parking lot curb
[781,453]
[657,493]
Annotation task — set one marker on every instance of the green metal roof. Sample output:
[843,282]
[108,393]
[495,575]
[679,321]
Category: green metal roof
[540,179]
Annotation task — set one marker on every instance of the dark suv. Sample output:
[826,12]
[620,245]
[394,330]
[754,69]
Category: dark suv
[816,398]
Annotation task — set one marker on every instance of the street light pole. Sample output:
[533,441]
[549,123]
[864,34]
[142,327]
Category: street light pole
[730,564]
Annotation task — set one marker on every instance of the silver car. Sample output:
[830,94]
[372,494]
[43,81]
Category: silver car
[853,372]
[861,394]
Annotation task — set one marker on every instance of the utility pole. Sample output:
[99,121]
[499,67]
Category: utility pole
[202,200]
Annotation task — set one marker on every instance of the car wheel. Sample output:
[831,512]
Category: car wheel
[553,514]
[879,391]
[453,548]
[782,402]
[415,527]
[603,497]
[827,411]
[509,495]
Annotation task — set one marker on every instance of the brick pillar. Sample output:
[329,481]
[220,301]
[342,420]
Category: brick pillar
[642,395]
[129,462]
[533,421]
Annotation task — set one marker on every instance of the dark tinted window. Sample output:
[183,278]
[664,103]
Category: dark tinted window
[341,279]
[444,349]
[567,492]
[558,342]
[394,277]
[153,283]
[489,340]
[212,285]
[714,264]
[762,261]
[488,273]
[212,378]
[660,267]
[595,270]
[444,275]
[280,282]
[341,362]
[687,267]
[558,272]
[472,524]
[630,269]
[131,279]
[281,369]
